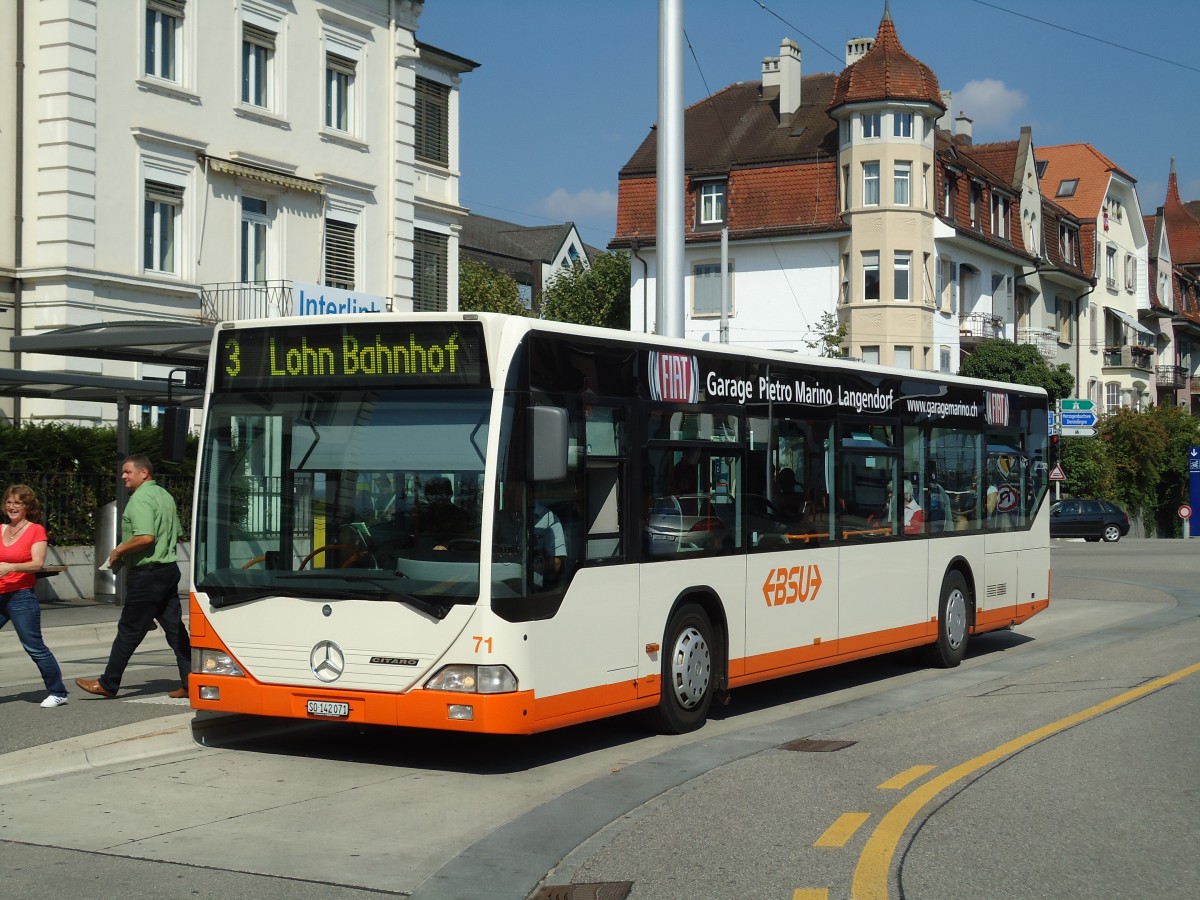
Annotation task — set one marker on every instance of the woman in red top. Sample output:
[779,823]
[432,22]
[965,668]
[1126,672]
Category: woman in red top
[22,554]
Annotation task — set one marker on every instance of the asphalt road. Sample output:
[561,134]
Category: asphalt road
[1059,761]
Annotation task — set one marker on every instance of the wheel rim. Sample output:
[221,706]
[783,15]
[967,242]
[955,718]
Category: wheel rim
[1111,533]
[691,667]
[956,618]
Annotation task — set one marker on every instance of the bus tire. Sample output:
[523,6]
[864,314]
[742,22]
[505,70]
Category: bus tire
[688,677]
[953,623]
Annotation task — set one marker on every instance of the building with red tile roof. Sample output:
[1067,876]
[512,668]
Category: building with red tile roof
[847,194]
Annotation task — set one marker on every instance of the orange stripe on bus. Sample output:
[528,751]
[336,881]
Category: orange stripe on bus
[524,713]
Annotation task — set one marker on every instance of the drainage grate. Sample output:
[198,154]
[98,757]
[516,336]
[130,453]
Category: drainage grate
[604,890]
[806,745]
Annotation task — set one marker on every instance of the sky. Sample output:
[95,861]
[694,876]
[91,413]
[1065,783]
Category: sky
[566,90]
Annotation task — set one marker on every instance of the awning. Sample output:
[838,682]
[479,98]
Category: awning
[96,388]
[269,176]
[160,343]
[1129,320]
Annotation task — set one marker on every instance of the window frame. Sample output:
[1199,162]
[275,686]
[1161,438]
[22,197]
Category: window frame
[902,262]
[871,125]
[341,101]
[158,197]
[154,60]
[899,121]
[869,180]
[258,51]
[711,205]
[255,235]
[870,263]
[904,179]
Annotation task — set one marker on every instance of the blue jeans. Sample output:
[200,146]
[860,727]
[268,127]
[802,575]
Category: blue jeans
[22,608]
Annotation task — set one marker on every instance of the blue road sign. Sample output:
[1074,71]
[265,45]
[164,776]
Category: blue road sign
[1078,419]
[1051,420]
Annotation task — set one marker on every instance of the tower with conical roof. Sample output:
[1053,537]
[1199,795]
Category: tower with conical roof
[887,104]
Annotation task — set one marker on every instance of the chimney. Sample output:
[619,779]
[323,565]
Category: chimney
[857,48]
[962,128]
[789,78]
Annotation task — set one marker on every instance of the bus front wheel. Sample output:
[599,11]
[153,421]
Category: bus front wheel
[953,623]
[687,671]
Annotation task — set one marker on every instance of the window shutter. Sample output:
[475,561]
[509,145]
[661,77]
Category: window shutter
[259,36]
[339,255]
[157,192]
[432,126]
[430,262]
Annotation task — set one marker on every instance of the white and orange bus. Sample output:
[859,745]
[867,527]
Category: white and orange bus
[486,523]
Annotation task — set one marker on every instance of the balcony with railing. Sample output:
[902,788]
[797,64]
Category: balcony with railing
[1044,339]
[1171,377]
[236,300]
[1129,357]
[975,327]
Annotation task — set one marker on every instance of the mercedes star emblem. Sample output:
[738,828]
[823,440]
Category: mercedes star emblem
[327,661]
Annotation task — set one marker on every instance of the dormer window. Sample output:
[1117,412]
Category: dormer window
[712,202]
[1068,244]
[1000,207]
[871,125]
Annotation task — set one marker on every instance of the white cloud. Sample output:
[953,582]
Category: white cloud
[988,103]
[581,206]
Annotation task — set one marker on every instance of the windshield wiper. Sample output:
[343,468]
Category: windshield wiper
[437,610]
[219,600]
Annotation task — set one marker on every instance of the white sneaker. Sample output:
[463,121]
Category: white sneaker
[52,701]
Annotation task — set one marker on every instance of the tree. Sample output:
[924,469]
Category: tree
[484,289]
[1002,360]
[830,336]
[595,295]
[1182,431]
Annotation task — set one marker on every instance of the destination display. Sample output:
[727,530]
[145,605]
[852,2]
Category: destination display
[360,354]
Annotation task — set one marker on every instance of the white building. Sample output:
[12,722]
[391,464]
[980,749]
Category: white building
[185,161]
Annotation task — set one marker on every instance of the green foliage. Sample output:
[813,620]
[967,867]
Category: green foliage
[1135,446]
[484,289]
[830,336]
[74,471]
[1137,460]
[1002,360]
[596,295]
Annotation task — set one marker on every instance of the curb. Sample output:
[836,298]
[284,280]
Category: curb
[115,746]
[190,732]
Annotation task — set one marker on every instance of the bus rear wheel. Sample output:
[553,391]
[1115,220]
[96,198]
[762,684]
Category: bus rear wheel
[953,623]
[687,671]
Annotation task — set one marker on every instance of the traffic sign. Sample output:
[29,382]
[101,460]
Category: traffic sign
[1079,432]
[1057,473]
[1185,512]
[1073,405]
[1078,419]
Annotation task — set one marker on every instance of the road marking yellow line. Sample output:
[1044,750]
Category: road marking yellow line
[842,830]
[905,778]
[811,894]
[871,874]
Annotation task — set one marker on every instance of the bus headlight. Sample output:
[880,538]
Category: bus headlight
[213,662]
[473,679]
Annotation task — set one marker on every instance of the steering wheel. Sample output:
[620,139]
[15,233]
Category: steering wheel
[255,561]
[356,554]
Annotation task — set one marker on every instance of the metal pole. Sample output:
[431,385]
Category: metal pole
[670,169]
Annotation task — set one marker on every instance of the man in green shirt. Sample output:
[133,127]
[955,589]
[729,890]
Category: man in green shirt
[150,531]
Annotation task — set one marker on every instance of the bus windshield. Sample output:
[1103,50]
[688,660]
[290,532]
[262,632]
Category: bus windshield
[374,494]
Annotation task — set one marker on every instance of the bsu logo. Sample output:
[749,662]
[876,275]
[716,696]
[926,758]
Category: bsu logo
[789,585]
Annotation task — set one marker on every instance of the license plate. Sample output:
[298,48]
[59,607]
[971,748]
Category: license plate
[328,709]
